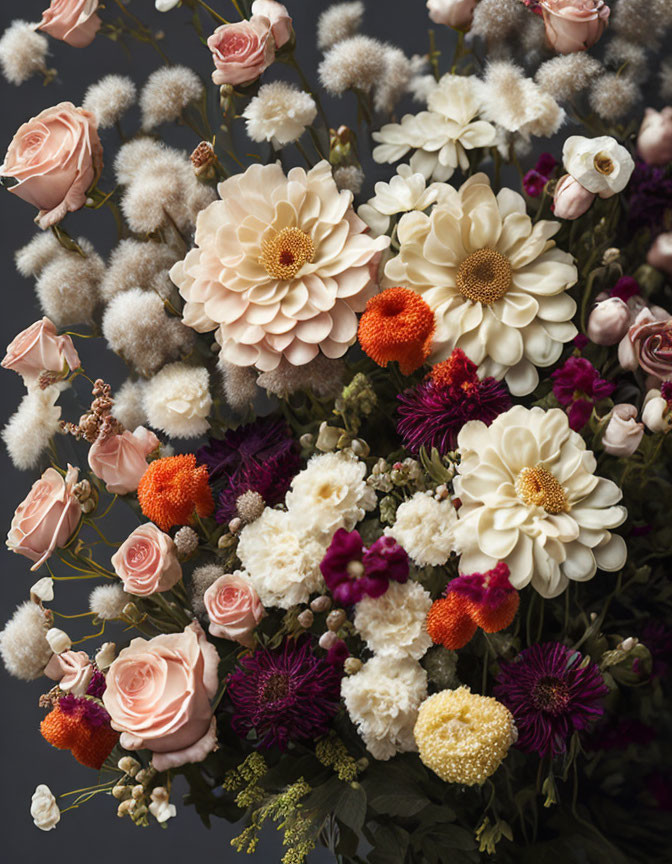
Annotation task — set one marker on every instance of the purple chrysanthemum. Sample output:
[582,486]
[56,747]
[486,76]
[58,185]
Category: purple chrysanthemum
[259,457]
[286,694]
[550,694]
[577,386]
[650,199]
[351,570]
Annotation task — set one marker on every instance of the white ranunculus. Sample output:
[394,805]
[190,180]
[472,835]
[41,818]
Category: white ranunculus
[44,809]
[406,191]
[601,165]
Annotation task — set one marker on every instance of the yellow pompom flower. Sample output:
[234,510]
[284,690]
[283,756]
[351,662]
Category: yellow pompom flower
[463,737]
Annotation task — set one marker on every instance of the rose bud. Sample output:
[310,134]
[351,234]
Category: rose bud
[277,14]
[656,412]
[571,200]
[121,460]
[623,432]
[453,13]
[608,322]
[574,25]
[660,254]
[242,51]
[75,22]
[654,142]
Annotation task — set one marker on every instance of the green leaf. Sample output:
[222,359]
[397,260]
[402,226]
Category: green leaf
[401,802]
[390,845]
[351,807]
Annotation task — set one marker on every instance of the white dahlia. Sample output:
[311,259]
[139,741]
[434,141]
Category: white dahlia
[281,266]
[495,281]
[395,624]
[530,498]
[441,135]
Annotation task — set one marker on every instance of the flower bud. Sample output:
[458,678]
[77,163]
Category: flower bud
[106,655]
[121,792]
[360,448]
[321,604]
[126,807]
[654,142]
[336,619]
[235,524]
[42,590]
[306,618]
[660,254]
[352,665]
[608,322]
[328,437]
[656,413]
[306,440]
[628,644]
[571,200]
[129,765]
[138,791]
[611,255]
[160,793]
[58,640]
[328,640]
[623,432]
[452,13]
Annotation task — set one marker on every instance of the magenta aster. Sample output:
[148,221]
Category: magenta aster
[535,179]
[285,694]
[550,694]
[352,571]
[577,386]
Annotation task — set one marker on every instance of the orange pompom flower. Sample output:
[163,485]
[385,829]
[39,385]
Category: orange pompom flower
[457,372]
[171,489]
[397,324]
[82,726]
[449,623]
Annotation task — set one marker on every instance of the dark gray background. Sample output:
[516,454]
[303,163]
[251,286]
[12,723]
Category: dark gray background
[93,833]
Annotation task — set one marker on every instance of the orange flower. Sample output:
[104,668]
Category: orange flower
[397,325]
[82,726]
[449,623]
[457,371]
[171,489]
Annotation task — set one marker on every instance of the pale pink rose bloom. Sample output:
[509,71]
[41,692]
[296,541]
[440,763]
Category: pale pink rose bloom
[158,696]
[54,159]
[72,670]
[654,142]
[623,432]
[660,254]
[277,14]
[242,51]
[571,200]
[121,460]
[234,608]
[648,344]
[609,321]
[38,349]
[574,25]
[452,13]
[73,21]
[47,518]
[146,562]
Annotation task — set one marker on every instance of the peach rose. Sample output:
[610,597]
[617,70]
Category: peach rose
[234,608]
[73,671]
[571,200]
[47,518]
[146,562]
[39,349]
[654,142]
[158,696]
[453,13]
[648,344]
[53,160]
[574,25]
[241,52]
[73,21]
[121,460]
[277,14]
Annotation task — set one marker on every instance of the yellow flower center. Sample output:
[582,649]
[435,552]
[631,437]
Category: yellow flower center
[537,486]
[484,277]
[603,163]
[284,255]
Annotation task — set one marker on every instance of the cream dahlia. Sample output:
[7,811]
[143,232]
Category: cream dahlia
[280,268]
[494,279]
[530,498]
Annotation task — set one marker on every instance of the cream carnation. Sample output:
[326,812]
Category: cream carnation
[382,700]
[330,493]
[530,498]
[394,625]
[441,135]
[282,562]
[177,400]
[493,278]
[425,527]
[279,113]
[281,266]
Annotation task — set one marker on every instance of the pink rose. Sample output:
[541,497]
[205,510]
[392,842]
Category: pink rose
[660,254]
[571,200]
[73,21]
[648,344]
[146,562]
[47,518]
[609,321]
[623,433]
[277,14]
[72,670]
[241,52]
[654,142]
[234,608]
[53,160]
[453,13]
[574,25]
[39,349]
[121,460]
[158,696]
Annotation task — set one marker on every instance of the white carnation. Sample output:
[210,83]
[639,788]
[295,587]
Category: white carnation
[330,493]
[23,52]
[282,562]
[23,642]
[29,430]
[425,528]
[394,625]
[44,809]
[382,700]
[177,400]
[279,113]
[109,99]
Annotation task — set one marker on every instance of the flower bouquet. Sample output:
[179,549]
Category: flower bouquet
[396,464]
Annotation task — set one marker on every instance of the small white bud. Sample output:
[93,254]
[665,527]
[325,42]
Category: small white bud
[321,604]
[328,437]
[336,619]
[628,644]
[58,640]
[105,655]
[328,640]
[160,793]
[42,590]
[306,618]
[138,791]
[129,765]
[352,665]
